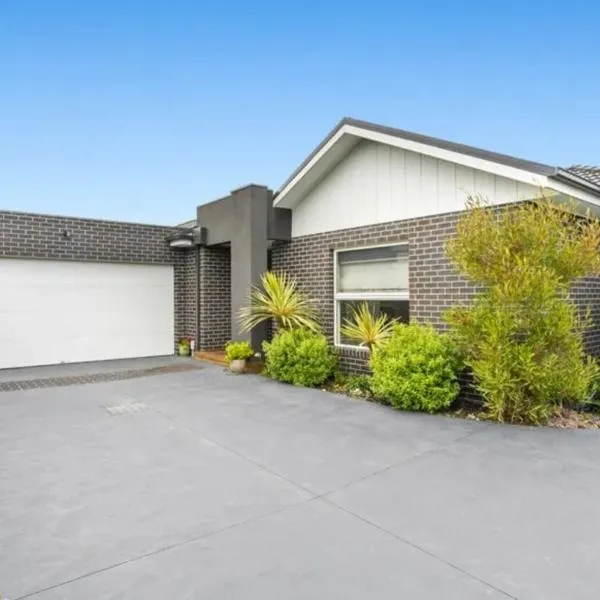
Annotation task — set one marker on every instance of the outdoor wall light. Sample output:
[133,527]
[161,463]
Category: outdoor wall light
[187,237]
[181,242]
[184,238]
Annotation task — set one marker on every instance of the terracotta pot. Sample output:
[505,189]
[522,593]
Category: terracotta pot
[237,366]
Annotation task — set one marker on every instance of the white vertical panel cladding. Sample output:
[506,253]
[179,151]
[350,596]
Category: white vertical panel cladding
[506,188]
[429,184]
[377,183]
[465,182]
[383,180]
[485,184]
[398,190]
[448,194]
[412,173]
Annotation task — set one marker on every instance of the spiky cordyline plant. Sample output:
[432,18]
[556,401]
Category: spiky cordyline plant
[278,297]
[366,329]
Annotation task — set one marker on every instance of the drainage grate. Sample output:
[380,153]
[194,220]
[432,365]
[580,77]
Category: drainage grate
[125,409]
[29,384]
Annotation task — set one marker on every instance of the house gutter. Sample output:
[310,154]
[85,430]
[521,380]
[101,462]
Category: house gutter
[576,181]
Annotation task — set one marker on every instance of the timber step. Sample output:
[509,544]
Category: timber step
[217,357]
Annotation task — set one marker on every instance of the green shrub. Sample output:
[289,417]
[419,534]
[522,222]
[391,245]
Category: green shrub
[592,402]
[521,336]
[358,384]
[415,369]
[299,356]
[238,351]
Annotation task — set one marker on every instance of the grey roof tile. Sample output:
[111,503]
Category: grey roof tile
[587,172]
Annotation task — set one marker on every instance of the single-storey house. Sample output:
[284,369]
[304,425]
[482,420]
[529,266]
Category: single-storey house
[364,217]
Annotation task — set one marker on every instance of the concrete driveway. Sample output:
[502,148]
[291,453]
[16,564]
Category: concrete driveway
[204,485]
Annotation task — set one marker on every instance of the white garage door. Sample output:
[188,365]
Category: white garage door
[57,311]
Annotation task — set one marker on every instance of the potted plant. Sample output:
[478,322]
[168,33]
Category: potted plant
[184,346]
[237,354]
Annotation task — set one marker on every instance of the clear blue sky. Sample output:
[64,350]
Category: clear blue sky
[140,110]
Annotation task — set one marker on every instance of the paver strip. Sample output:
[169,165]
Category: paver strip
[48,382]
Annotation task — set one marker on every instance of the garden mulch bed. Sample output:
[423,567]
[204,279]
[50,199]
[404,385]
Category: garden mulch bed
[571,419]
[565,419]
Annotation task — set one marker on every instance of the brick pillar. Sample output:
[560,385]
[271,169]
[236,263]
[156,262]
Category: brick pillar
[186,292]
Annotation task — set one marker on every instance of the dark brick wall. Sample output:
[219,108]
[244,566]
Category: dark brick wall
[586,294]
[24,235]
[186,294]
[214,297]
[354,360]
[434,284]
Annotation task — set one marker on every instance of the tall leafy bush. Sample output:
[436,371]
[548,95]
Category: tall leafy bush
[522,337]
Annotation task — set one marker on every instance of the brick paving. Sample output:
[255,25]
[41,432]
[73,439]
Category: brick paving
[50,382]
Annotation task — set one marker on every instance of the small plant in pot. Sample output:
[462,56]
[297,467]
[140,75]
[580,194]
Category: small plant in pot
[237,354]
[184,347]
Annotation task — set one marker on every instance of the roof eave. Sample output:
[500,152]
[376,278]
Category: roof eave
[316,150]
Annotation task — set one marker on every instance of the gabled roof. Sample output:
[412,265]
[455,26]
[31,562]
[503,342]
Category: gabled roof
[348,132]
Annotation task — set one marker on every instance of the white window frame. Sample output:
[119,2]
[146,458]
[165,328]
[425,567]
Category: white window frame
[339,296]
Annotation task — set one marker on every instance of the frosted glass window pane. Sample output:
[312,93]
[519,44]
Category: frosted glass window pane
[373,270]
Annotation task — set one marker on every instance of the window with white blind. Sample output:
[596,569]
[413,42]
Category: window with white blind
[376,275]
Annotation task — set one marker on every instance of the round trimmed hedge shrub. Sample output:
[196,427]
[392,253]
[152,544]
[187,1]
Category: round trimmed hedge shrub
[415,369]
[299,356]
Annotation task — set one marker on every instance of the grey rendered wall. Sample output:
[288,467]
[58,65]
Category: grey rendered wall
[24,235]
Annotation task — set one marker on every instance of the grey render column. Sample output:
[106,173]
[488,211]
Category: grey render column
[249,247]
